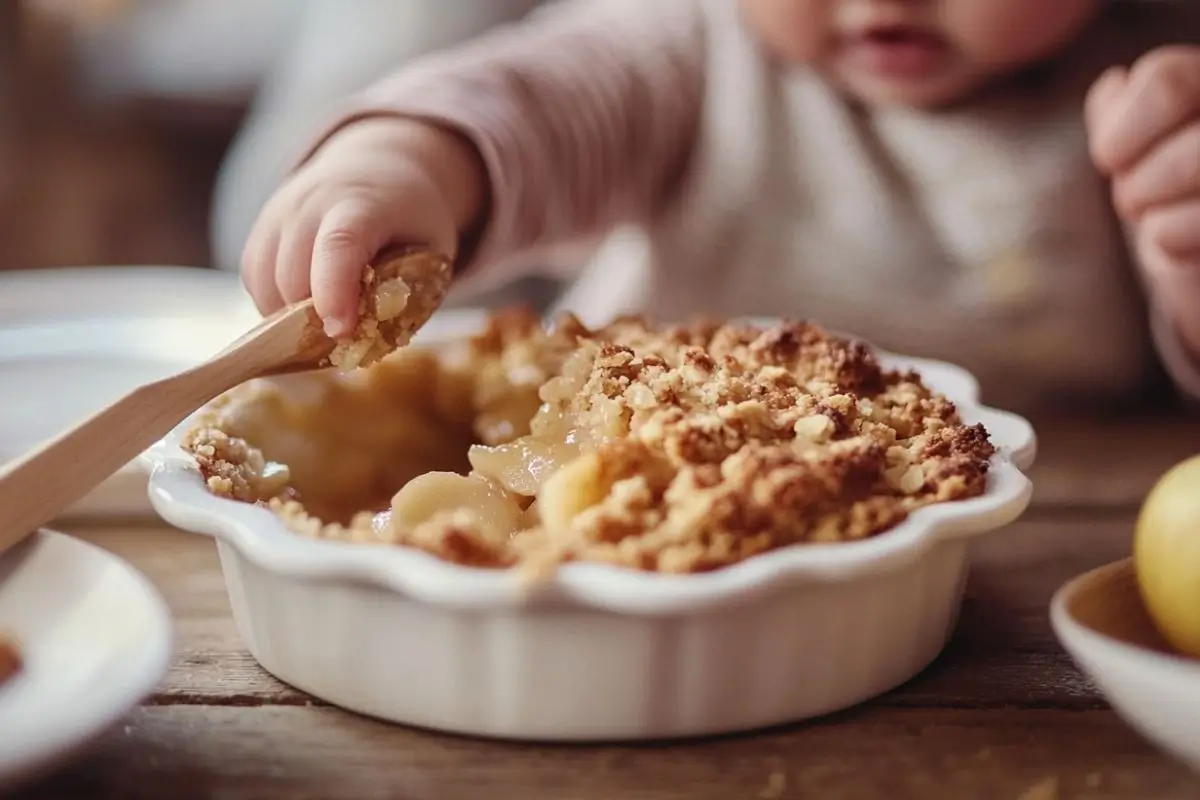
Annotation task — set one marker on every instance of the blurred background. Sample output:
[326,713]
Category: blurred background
[151,131]
[109,140]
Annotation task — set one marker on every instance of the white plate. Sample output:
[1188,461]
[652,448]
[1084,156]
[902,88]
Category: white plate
[74,340]
[96,638]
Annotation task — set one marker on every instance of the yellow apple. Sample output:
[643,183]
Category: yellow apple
[1166,554]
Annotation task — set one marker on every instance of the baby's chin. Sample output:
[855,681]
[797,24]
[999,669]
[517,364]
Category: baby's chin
[947,86]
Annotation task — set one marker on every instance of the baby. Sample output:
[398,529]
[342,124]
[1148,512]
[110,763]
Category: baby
[1012,185]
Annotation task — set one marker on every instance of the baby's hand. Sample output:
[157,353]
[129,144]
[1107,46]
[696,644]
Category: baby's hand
[1144,129]
[374,183]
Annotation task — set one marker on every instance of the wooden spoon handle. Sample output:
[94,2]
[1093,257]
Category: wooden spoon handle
[37,487]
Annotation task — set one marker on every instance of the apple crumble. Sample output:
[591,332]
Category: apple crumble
[398,296]
[10,659]
[673,449]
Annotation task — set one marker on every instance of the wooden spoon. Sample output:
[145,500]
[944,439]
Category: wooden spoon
[39,486]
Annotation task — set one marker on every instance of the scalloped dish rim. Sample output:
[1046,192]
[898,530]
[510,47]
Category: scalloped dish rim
[179,495]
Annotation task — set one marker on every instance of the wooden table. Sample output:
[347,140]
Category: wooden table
[1002,714]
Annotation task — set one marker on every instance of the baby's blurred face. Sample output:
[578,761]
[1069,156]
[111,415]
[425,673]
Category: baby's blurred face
[916,52]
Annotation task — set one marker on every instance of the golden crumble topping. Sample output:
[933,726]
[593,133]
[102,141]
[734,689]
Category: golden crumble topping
[675,449]
[398,296]
[10,659]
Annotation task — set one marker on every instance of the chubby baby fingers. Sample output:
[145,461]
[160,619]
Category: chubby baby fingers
[350,233]
[258,264]
[1174,231]
[1128,116]
[1169,173]
[294,259]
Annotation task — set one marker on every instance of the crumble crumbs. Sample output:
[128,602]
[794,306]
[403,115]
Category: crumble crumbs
[398,296]
[674,449]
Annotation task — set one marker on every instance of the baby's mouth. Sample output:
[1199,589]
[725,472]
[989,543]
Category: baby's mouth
[896,50]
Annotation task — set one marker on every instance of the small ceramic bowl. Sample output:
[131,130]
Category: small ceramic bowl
[602,653]
[1101,621]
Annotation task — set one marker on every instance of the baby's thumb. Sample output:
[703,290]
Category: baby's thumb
[1102,101]
[348,238]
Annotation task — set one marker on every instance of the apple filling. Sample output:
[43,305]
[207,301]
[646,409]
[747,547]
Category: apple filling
[677,449]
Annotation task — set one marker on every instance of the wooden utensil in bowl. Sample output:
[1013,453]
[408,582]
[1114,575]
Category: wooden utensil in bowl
[37,487]
[40,485]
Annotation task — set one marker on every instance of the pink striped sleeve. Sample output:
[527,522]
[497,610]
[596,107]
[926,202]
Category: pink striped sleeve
[584,115]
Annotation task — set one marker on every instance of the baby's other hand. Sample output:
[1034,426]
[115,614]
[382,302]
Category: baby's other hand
[373,183]
[1144,130]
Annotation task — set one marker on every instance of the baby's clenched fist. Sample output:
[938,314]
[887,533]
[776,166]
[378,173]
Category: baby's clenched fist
[374,183]
[1144,131]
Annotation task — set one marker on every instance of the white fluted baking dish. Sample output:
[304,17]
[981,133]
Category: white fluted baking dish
[601,653]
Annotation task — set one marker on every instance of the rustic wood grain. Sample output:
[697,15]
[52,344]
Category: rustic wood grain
[1109,462]
[872,752]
